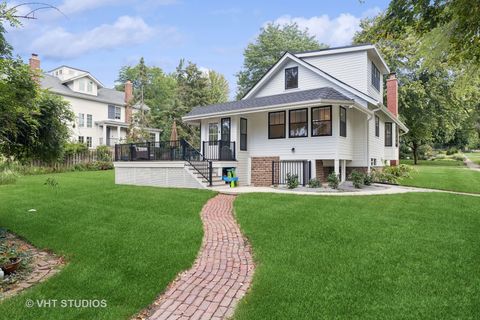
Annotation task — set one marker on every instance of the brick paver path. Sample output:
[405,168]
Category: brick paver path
[221,274]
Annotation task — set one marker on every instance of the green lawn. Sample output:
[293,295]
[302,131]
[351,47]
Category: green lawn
[408,256]
[474,156]
[123,244]
[444,175]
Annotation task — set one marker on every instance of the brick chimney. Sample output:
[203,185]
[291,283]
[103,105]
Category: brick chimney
[392,94]
[128,101]
[34,62]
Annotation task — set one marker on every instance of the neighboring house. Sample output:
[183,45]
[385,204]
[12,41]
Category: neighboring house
[311,114]
[103,116]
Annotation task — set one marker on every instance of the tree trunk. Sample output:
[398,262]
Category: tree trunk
[415,153]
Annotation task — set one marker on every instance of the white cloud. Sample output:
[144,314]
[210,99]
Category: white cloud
[332,31]
[125,31]
[76,6]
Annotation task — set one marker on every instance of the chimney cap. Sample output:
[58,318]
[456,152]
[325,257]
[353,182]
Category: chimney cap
[34,55]
[392,75]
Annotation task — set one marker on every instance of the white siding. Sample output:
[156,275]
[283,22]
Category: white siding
[99,112]
[372,91]
[350,67]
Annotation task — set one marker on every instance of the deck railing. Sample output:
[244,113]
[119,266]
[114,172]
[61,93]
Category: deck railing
[219,150]
[178,150]
[150,151]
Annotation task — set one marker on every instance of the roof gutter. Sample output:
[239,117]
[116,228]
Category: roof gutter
[268,108]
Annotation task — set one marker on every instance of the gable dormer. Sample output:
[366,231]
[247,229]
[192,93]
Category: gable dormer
[77,80]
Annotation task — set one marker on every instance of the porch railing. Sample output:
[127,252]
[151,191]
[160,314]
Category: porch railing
[150,151]
[219,150]
[301,168]
[178,150]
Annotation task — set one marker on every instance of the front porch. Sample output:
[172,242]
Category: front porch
[115,132]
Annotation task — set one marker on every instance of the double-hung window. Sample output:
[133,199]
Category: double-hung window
[243,134]
[375,77]
[291,78]
[388,134]
[89,142]
[343,122]
[322,121]
[80,139]
[81,120]
[298,123]
[276,125]
[114,112]
[377,126]
[89,121]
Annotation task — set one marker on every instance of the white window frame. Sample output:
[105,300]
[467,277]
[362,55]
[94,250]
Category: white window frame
[81,120]
[89,121]
[89,142]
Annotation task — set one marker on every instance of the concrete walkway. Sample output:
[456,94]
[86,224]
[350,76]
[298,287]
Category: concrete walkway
[471,165]
[221,274]
[380,190]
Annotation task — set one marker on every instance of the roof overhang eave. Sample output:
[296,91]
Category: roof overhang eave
[267,108]
[393,118]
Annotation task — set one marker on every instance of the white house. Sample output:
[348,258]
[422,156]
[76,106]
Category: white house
[102,114]
[311,114]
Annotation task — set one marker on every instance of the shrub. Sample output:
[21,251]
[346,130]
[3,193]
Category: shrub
[7,176]
[393,174]
[73,148]
[458,157]
[107,165]
[314,183]
[440,156]
[104,154]
[368,179]
[357,178]
[333,180]
[292,181]
[451,151]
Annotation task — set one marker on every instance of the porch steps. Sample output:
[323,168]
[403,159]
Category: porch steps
[216,180]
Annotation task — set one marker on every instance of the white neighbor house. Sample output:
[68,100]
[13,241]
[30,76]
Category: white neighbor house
[317,112]
[102,114]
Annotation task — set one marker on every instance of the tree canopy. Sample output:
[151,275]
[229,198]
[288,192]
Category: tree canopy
[272,42]
[436,101]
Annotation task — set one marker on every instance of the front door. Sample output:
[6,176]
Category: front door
[225,135]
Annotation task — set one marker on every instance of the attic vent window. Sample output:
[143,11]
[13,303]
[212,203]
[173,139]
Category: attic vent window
[291,78]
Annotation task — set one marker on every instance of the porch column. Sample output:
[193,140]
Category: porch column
[104,135]
[336,166]
[118,134]
[313,167]
[344,171]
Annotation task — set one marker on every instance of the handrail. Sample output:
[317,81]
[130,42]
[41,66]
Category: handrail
[203,166]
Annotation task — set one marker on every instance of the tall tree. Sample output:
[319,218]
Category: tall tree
[431,103]
[272,42]
[217,87]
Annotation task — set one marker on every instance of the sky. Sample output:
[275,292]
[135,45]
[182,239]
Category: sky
[101,36]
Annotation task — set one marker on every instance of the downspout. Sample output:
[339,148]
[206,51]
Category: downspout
[369,117]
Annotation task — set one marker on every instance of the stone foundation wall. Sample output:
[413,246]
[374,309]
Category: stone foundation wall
[261,175]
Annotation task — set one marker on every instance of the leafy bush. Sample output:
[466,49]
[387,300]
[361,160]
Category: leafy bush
[333,180]
[368,179]
[314,183]
[292,181]
[105,165]
[393,174]
[73,148]
[458,157]
[357,178]
[7,176]
[451,151]
[440,156]
[104,154]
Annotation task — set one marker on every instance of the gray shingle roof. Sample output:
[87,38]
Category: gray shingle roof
[325,93]
[105,95]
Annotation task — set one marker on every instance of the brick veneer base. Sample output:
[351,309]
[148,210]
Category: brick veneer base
[262,171]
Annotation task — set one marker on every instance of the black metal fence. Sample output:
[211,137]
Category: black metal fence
[150,151]
[219,150]
[301,168]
